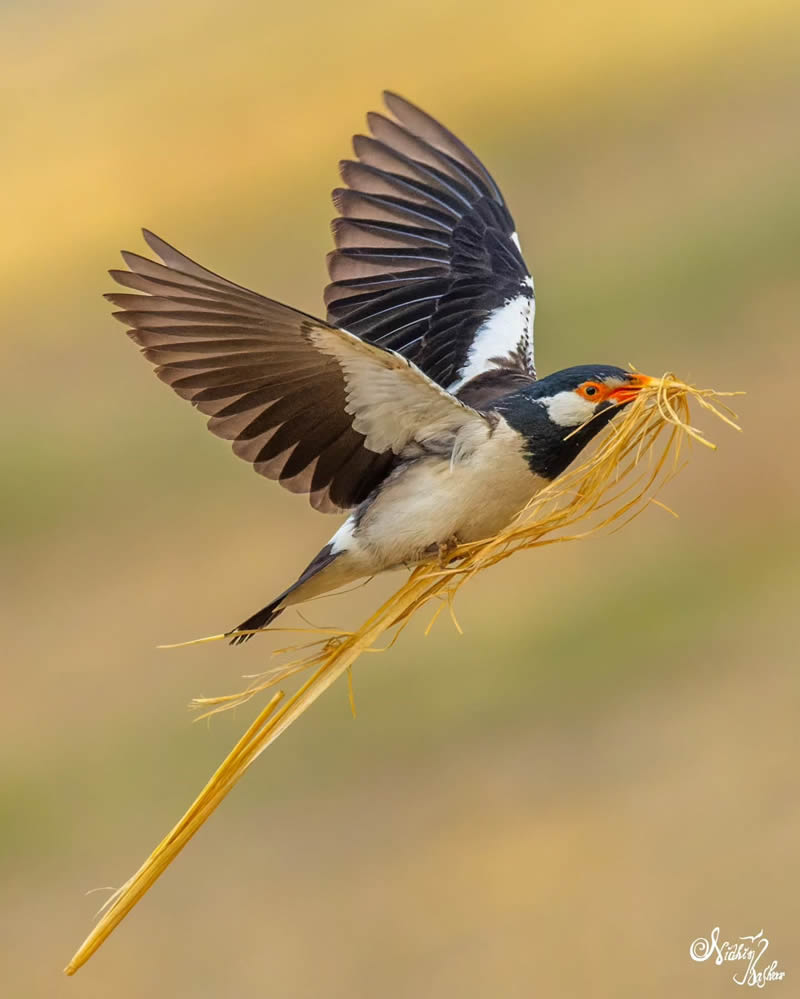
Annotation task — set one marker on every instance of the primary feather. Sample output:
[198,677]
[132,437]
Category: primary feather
[306,403]
[427,260]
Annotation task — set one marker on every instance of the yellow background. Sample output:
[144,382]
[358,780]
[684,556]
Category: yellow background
[604,767]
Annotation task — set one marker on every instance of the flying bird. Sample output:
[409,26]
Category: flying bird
[414,405]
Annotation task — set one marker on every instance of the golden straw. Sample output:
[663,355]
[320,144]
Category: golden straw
[227,774]
[606,487]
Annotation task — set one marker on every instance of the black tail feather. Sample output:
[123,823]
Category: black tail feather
[261,619]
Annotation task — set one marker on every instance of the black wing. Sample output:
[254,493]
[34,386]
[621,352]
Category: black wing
[427,261]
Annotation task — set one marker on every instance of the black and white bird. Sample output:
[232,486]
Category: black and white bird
[415,405]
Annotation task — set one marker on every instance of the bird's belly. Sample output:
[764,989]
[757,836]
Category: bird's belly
[430,501]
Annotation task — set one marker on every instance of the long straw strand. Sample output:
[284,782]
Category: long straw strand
[603,490]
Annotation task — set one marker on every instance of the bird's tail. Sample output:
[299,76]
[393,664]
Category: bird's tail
[296,593]
[258,621]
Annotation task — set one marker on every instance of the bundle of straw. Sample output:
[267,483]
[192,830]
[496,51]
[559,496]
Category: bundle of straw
[610,487]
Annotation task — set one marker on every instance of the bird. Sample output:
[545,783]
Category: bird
[414,407]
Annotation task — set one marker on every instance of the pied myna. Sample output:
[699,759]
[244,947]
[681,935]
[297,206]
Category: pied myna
[415,405]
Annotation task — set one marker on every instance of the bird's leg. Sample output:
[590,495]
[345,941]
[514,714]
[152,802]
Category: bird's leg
[446,549]
[442,550]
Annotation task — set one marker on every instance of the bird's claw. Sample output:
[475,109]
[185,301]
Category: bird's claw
[446,548]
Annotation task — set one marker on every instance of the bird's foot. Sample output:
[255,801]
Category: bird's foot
[446,548]
[441,551]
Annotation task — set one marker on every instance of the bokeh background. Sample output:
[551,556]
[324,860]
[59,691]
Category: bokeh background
[605,766]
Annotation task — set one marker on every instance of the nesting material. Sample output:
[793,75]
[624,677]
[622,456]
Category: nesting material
[632,460]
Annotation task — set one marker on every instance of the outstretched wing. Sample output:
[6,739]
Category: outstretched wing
[306,403]
[428,262]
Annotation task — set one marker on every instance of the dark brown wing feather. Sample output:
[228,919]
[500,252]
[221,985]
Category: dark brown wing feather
[245,361]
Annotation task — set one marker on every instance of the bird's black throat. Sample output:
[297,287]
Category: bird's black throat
[549,448]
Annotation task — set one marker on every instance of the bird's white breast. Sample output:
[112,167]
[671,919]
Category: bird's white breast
[470,495]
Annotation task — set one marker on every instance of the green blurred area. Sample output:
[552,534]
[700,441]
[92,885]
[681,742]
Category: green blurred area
[603,767]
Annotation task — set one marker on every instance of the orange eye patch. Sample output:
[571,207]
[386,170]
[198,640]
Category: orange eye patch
[592,391]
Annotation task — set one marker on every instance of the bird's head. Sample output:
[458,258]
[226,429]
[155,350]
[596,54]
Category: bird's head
[574,396]
[561,413]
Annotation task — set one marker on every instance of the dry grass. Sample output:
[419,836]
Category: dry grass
[613,485]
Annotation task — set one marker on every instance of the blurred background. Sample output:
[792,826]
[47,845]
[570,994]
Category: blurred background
[604,767]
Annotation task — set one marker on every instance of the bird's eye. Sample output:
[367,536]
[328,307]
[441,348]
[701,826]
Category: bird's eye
[589,390]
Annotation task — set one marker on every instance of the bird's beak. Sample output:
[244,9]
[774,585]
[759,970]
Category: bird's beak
[629,391]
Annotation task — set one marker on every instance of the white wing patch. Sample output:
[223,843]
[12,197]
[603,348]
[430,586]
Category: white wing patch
[506,329]
[391,400]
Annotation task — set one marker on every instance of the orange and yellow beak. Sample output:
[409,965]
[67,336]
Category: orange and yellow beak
[629,391]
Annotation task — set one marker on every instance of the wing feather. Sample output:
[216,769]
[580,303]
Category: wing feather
[423,227]
[306,403]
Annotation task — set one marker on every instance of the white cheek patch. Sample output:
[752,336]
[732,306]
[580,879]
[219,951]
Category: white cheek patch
[568,409]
